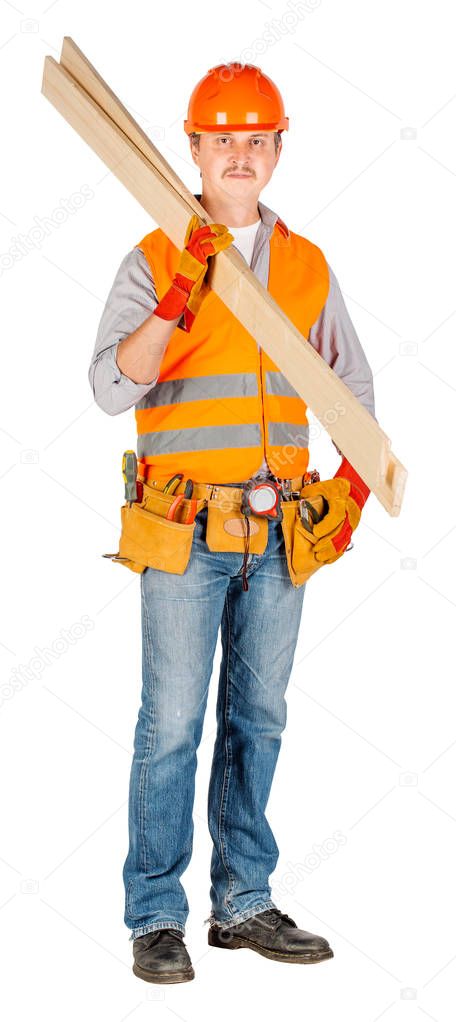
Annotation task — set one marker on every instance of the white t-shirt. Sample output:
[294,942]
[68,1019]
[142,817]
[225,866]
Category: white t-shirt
[244,239]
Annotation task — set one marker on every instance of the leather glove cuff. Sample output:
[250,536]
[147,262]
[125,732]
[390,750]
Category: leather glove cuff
[359,491]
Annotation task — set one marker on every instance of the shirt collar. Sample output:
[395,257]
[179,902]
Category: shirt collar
[269,218]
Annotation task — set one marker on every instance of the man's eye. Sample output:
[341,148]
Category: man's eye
[225,138]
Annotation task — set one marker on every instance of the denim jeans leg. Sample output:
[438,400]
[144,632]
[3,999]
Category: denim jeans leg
[181,616]
[260,629]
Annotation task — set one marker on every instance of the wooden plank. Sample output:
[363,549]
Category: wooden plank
[121,144]
[83,72]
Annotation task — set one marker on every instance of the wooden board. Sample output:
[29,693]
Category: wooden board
[92,109]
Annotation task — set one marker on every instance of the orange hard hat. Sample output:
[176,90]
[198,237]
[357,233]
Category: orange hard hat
[236,97]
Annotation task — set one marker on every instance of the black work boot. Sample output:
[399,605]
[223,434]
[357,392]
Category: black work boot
[161,957]
[274,935]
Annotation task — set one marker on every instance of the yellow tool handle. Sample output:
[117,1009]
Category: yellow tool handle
[130,472]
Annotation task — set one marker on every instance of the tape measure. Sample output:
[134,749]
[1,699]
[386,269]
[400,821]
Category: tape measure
[261,499]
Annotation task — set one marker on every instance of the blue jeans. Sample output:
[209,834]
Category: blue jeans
[181,616]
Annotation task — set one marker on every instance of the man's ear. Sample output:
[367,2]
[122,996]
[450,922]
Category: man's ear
[194,151]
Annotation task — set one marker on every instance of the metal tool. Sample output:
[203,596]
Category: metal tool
[309,514]
[130,472]
[284,485]
[186,495]
[311,477]
[170,486]
[286,489]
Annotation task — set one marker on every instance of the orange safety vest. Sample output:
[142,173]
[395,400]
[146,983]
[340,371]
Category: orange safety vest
[220,405]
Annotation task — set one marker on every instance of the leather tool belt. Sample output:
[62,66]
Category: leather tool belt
[149,539]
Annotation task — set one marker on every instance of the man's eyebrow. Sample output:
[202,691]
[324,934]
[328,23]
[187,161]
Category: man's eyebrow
[255,134]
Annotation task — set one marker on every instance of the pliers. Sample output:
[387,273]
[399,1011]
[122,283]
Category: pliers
[186,495]
[309,514]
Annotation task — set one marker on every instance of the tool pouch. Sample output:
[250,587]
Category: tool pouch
[149,540]
[299,543]
[227,528]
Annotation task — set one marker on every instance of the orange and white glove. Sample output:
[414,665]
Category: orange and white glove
[346,495]
[188,287]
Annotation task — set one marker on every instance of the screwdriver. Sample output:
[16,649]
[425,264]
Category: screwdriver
[130,472]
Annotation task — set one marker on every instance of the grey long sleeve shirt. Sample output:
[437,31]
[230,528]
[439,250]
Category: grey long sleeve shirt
[133,298]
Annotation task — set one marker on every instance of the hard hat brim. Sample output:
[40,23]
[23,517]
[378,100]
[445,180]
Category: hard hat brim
[204,129]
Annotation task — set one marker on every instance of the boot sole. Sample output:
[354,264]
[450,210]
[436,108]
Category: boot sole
[308,958]
[163,977]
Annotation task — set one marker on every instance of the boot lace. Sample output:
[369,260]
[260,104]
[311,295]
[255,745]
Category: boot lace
[276,916]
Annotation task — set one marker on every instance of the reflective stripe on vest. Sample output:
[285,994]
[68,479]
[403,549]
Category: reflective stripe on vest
[220,405]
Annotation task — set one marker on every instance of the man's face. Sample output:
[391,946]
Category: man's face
[238,162]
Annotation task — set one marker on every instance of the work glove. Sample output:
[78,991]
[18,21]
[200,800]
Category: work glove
[189,288]
[346,495]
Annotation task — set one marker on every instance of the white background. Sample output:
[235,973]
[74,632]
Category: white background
[363,804]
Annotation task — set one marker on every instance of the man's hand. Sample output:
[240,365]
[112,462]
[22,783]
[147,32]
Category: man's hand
[346,494]
[188,288]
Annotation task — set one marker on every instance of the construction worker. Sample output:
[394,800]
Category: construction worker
[212,408]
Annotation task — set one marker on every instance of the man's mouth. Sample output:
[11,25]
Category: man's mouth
[235,173]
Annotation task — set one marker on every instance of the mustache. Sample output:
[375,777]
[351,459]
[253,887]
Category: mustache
[237,170]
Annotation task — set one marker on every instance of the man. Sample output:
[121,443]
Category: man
[208,402]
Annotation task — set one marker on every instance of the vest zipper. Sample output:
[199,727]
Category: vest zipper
[262,406]
[254,260]
[245,584]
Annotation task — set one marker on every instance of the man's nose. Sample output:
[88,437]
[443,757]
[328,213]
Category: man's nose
[240,151]
[239,160]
